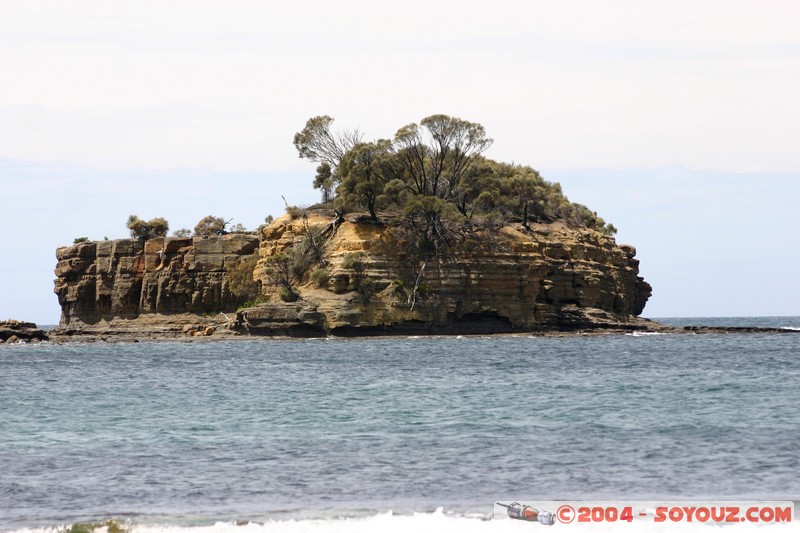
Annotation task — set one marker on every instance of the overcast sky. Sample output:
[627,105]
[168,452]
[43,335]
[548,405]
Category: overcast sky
[679,122]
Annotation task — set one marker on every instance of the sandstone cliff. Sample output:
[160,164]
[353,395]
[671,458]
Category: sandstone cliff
[548,277]
[160,285]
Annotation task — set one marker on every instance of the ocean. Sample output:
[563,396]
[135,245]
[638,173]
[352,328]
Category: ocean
[393,434]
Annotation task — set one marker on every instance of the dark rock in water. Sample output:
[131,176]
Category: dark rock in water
[12,331]
[287,319]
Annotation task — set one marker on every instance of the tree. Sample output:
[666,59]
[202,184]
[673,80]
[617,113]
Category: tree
[308,250]
[434,158]
[433,223]
[479,190]
[324,181]
[156,227]
[316,142]
[210,225]
[279,273]
[525,193]
[362,174]
[435,176]
[436,154]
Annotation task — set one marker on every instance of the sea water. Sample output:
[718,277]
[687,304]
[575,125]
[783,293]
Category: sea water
[392,434]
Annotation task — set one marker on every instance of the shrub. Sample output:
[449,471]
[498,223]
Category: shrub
[366,288]
[296,212]
[155,227]
[288,295]
[210,225]
[320,277]
[80,240]
[356,262]
[252,303]
[183,232]
[609,230]
[301,262]
[241,284]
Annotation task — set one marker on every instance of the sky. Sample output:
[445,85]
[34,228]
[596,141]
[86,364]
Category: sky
[678,122]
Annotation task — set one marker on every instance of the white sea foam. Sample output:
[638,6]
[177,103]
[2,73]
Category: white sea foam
[436,522]
[644,333]
[790,328]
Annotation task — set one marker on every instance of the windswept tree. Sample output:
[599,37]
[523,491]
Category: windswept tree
[316,142]
[145,230]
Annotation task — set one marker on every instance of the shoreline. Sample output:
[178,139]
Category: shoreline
[191,328]
[116,337]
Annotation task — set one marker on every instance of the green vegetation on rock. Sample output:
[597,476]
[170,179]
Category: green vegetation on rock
[434,175]
[145,230]
[241,283]
[210,225]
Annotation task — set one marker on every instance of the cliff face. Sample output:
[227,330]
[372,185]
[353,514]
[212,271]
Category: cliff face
[156,284]
[543,278]
[548,277]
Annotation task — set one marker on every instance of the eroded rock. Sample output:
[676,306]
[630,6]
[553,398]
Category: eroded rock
[12,331]
[115,285]
[549,277]
[546,277]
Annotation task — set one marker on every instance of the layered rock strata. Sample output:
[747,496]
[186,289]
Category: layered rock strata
[157,286]
[547,277]
[13,331]
[542,278]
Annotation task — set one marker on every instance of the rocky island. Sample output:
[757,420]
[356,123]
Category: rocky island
[547,277]
[420,234]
